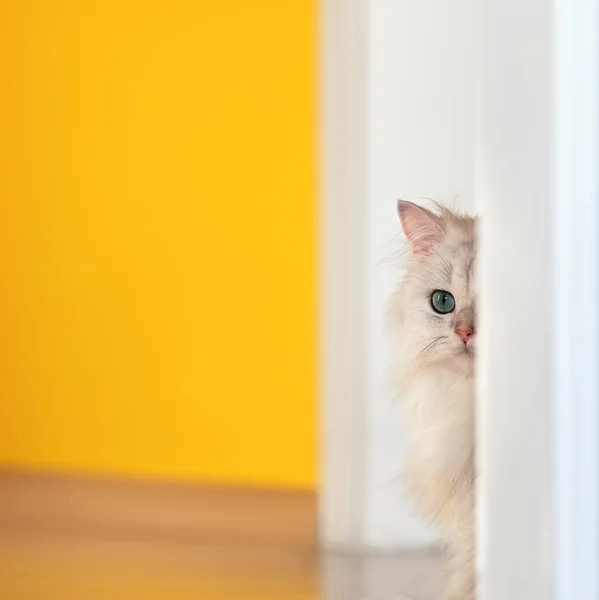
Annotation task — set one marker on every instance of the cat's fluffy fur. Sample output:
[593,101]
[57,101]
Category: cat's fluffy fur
[436,378]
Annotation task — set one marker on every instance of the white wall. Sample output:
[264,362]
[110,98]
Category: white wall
[401,86]
[575,227]
[422,111]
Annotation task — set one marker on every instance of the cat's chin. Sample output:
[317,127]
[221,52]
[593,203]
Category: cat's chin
[464,360]
[467,358]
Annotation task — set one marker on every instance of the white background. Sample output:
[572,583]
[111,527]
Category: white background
[400,81]
[422,115]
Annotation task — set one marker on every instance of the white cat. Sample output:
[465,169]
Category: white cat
[435,308]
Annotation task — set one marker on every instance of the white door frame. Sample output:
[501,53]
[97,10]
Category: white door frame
[343,80]
[514,450]
[539,393]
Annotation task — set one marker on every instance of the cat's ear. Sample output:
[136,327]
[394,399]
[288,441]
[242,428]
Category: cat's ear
[421,226]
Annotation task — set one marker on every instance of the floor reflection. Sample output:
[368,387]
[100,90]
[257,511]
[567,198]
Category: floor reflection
[47,566]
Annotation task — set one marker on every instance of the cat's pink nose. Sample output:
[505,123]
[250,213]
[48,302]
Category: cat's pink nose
[464,332]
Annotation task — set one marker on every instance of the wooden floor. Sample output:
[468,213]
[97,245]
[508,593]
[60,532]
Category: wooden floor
[35,566]
[46,555]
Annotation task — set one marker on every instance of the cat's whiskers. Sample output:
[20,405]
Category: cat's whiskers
[428,349]
[427,340]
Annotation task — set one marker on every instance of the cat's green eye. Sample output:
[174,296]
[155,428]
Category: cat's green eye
[442,302]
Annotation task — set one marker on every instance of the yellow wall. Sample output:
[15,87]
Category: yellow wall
[157,238]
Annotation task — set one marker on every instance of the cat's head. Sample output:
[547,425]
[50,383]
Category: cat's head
[436,303]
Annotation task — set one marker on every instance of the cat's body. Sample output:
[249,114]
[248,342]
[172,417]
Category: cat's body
[435,308]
